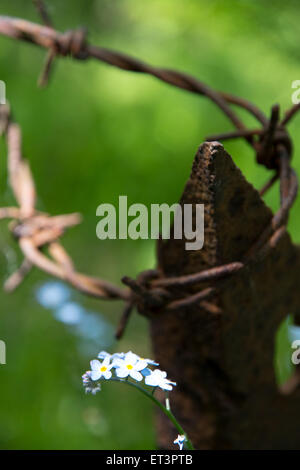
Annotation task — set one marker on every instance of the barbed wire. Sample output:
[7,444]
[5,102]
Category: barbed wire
[34,230]
[150,291]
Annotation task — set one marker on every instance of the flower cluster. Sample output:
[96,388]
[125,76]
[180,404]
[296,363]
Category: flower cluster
[124,366]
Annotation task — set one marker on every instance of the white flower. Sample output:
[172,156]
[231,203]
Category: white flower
[158,378]
[104,354]
[131,366]
[101,369]
[121,355]
[180,440]
[117,356]
[149,361]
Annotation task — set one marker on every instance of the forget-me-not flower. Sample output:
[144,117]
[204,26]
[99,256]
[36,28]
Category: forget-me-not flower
[101,369]
[158,378]
[130,366]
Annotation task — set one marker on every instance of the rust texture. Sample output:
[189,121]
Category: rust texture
[227,397]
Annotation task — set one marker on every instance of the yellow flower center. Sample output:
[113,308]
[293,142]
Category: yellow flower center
[129,366]
[103,369]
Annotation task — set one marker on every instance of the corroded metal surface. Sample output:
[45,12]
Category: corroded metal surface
[227,396]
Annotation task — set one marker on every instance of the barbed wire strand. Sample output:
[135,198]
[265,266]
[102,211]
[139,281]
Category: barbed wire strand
[34,229]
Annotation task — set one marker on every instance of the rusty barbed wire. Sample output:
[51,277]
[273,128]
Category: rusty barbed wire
[34,230]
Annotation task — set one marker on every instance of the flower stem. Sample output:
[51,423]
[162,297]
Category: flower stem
[168,402]
[166,411]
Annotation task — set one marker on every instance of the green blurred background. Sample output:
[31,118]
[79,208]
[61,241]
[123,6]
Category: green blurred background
[96,133]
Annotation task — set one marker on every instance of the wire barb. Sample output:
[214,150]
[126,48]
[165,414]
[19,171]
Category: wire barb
[34,230]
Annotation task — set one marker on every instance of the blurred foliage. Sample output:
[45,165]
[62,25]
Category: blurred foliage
[96,133]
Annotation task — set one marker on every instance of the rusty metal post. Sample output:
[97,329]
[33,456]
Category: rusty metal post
[227,396]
